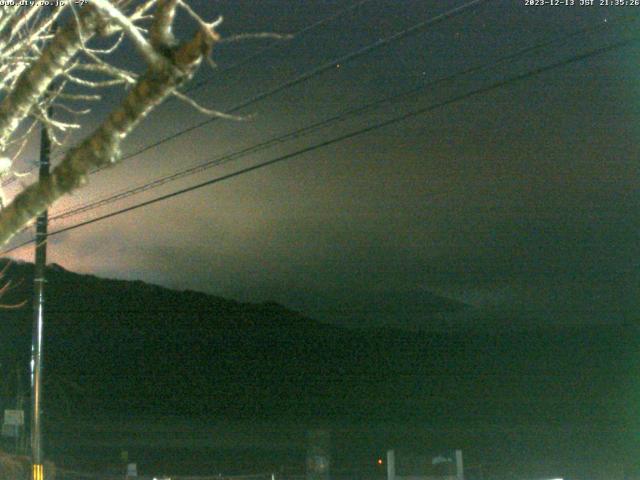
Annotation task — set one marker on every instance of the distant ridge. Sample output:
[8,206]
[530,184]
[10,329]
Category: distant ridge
[128,346]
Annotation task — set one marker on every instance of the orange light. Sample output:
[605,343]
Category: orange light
[379,461]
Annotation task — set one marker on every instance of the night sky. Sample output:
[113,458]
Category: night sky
[520,202]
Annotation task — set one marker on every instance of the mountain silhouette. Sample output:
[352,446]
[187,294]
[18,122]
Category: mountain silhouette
[128,347]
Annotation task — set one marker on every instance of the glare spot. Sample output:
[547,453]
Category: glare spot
[5,165]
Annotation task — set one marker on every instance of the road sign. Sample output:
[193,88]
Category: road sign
[14,417]
[132,470]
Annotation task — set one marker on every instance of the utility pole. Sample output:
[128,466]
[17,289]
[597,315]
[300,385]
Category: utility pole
[391,465]
[38,315]
[20,407]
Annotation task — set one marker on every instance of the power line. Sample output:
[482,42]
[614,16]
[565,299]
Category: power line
[416,28]
[447,15]
[323,123]
[341,138]
[383,42]
[249,58]
[261,51]
[380,43]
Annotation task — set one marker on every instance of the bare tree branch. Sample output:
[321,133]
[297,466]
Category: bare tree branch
[130,29]
[41,66]
[167,70]
[34,81]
